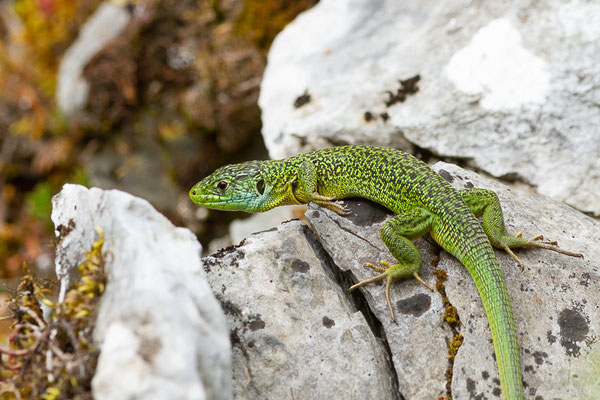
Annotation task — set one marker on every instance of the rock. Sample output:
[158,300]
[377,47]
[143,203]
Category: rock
[418,341]
[555,303]
[239,229]
[242,228]
[161,332]
[515,88]
[294,329]
[107,22]
[554,300]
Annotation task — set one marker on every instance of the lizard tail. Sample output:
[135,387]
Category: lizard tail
[486,273]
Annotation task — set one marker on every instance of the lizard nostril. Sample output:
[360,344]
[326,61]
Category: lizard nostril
[193,192]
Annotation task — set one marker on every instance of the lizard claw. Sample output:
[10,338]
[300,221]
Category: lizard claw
[513,255]
[338,207]
[330,203]
[335,206]
[345,210]
[540,239]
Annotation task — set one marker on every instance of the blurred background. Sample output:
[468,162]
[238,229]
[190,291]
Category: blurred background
[147,97]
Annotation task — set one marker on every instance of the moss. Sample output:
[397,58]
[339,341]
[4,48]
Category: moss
[55,359]
[451,315]
[440,275]
[452,318]
[454,345]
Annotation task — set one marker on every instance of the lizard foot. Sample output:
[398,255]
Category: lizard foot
[390,273]
[537,241]
[333,205]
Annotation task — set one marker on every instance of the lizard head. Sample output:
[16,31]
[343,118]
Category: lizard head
[237,187]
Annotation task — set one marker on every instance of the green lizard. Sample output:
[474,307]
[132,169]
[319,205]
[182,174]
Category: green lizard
[423,202]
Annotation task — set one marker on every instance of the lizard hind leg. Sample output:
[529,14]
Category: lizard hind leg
[395,234]
[485,202]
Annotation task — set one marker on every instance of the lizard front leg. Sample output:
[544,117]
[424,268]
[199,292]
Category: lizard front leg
[306,189]
[397,234]
[485,202]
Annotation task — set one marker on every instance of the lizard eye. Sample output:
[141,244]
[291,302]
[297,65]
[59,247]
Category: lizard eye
[260,186]
[222,185]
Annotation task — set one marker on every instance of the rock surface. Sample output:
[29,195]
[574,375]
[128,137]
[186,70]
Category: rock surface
[512,86]
[242,228]
[161,332]
[418,340]
[295,332]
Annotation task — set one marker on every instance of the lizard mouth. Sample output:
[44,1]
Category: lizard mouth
[217,202]
[203,199]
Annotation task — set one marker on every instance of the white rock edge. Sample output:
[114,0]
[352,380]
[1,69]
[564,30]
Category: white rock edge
[161,332]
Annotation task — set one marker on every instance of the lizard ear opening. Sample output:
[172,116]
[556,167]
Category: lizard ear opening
[260,186]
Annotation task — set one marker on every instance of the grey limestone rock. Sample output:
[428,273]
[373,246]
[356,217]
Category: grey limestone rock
[294,329]
[297,333]
[418,341]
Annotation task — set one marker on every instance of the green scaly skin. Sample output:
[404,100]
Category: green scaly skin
[424,203]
